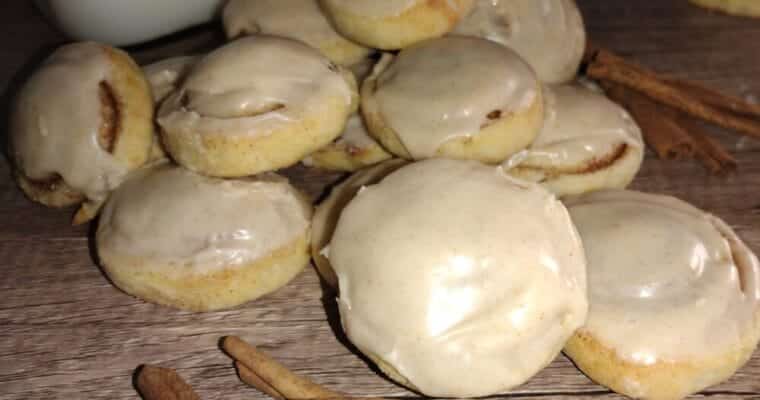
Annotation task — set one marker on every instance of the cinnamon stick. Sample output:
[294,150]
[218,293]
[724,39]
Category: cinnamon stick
[696,90]
[709,152]
[155,383]
[606,66]
[250,378]
[661,132]
[715,98]
[285,382]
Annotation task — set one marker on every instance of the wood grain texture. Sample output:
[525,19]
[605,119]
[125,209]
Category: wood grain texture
[66,333]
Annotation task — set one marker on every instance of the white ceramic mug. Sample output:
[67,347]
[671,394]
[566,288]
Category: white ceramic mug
[125,22]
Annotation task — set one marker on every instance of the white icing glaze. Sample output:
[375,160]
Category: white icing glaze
[548,34]
[254,85]
[444,269]
[580,126]
[378,9]
[56,119]
[171,216]
[296,19]
[663,283]
[327,213]
[164,76]
[445,88]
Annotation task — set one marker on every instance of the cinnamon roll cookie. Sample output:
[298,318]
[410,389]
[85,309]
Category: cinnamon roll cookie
[674,296]
[353,150]
[395,24]
[445,269]
[164,77]
[296,19]
[327,213]
[587,143]
[79,125]
[549,34]
[257,104]
[456,97]
[173,237]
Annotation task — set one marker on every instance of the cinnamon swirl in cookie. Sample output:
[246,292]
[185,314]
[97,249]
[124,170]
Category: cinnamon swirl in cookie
[549,34]
[395,24]
[457,97]
[456,278]
[674,296]
[296,19]
[180,239]
[257,104]
[79,125]
[587,143]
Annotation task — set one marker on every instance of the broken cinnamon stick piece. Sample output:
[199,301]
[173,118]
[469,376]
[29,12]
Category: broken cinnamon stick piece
[155,383]
[607,66]
[715,98]
[696,90]
[709,152]
[661,132]
[285,382]
[249,377]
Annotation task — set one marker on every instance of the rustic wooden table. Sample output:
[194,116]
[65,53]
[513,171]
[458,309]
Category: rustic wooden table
[66,333]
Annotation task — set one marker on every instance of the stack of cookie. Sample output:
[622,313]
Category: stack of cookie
[450,249]
[209,226]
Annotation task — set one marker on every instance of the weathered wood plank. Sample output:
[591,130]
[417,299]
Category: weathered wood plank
[65,332]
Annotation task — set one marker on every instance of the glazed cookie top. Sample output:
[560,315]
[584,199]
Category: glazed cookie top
[59,117]
[581,127]
[548,34]
[464,256]
[295,19]
[450,87]
[253,86]
[169,215]
[667,282]
[164,76]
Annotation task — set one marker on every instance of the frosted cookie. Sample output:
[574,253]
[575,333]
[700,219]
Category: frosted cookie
[79,125]
[674,296]
[587,143]
[257,104]
[746,8]
[296,19]
[173,237]
[457,97]
[395,24]
[327,213]
[444,269]
[548,34]
[354,149]
[164,76]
